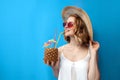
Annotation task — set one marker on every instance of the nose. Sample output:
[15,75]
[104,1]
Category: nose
[65,26]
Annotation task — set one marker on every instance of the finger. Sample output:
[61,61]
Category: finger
[58,58]
[47,62]
[58,62]
[52,63]
[98,44]
[95,43]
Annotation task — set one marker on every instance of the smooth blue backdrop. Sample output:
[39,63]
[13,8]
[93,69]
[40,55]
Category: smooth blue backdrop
[26,24]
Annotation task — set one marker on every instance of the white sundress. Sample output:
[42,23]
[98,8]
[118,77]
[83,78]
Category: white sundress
[70,70]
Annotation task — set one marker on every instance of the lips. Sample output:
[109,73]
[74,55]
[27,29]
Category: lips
[67,30]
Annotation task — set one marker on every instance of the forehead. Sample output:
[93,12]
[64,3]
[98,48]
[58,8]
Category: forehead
[71,19]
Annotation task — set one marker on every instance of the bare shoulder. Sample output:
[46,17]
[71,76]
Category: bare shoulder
[60,49]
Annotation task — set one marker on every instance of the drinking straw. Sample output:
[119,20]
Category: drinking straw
[58,39]
[55,36]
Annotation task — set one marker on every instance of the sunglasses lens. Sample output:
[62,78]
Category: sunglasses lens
[70,24]
[64,24]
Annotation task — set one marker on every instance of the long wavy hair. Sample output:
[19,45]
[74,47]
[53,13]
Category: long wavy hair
[81,33]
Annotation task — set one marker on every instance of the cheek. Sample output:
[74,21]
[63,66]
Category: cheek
[71,32]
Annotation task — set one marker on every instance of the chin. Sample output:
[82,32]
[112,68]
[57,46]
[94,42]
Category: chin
[69,33]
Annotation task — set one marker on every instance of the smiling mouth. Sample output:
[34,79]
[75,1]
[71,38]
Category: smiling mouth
[67,30]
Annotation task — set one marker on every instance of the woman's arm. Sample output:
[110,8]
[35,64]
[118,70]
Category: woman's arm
[97,70]
[55,66]
[93,73]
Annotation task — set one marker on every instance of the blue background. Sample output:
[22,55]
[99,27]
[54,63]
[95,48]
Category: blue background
[26,24]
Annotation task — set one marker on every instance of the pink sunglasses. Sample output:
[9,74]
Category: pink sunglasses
[68,24]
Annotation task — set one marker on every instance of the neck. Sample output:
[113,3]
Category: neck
[73,42]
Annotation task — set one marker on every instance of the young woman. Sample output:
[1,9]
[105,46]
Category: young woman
[77,58]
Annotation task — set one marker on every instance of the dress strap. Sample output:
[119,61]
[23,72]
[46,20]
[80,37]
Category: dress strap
[89,50]
[62,48]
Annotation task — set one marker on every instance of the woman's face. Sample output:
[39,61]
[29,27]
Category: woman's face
[69,26]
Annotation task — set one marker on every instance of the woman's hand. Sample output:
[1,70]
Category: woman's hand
[93,63]
[94,46]
[53,64]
